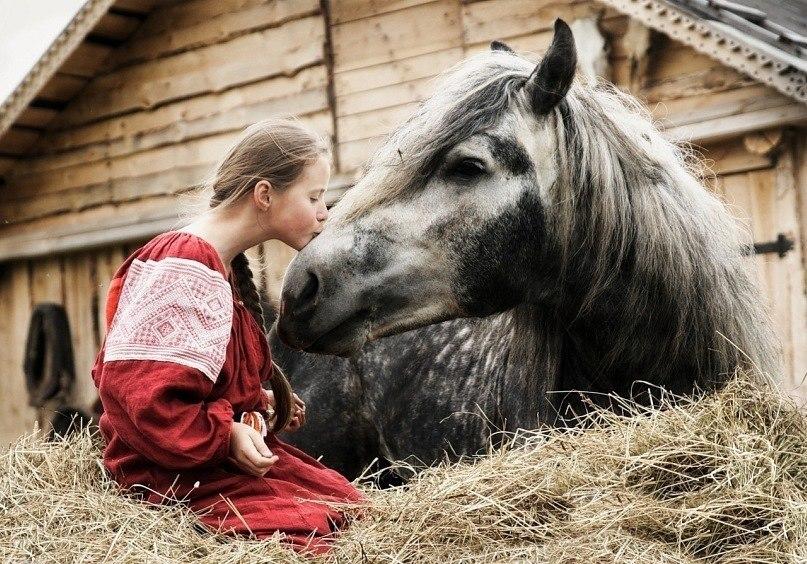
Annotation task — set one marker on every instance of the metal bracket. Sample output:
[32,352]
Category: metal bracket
[781,246]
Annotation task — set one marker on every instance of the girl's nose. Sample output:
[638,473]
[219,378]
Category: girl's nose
[322,214]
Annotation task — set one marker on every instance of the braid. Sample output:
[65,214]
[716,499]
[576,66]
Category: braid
[245,285]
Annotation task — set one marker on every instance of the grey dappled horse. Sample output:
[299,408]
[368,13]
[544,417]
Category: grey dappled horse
[525,233]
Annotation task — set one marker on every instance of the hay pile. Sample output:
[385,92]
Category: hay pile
[721,479]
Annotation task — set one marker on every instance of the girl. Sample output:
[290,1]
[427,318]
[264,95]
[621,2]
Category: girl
[180,370]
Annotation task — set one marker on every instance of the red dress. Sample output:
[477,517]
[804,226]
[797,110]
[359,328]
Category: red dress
[181,358]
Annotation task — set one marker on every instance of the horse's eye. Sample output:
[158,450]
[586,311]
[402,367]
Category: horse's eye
[466,169]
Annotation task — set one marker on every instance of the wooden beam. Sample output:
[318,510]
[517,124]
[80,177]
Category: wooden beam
[172,116]
[216,68]
[724,127]
[112,225]
[216,29]
[420,29]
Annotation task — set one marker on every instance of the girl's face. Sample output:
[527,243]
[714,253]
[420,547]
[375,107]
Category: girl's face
[297,214]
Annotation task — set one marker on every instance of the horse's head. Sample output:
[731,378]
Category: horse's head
[448,213]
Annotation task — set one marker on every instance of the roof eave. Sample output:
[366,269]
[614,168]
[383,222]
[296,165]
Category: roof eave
[49,63]
[731,47]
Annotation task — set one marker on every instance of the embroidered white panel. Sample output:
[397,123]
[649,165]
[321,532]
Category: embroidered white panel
[175,310]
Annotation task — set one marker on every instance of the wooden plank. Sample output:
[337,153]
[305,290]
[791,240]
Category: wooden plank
[141,123]
[221,27]
[791,296]
[199,152]
[83,185]
[349,10]
[107,262]
[84,240]
[103,226]
[16,416]
[731,157]
[62,87]
[208,69]
[116,26]
[302,104]
[80,293]
[86,60]
[766,221]
[353,154]
[500,19]
[531,45]
[395,72]
[385,96]
[15,238]
[721,128]
[372,124]
[116,191]
[178,15]
[17,140]
[46,281]
[716,79]
[36,117]
[671,60]
[392,36]
[693,109]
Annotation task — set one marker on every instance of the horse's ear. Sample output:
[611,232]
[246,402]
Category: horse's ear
[551,79]
[496,45]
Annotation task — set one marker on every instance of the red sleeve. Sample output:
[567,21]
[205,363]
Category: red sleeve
[159,410]
[163,353]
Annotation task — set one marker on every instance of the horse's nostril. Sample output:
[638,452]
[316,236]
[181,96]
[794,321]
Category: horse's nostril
[307,297]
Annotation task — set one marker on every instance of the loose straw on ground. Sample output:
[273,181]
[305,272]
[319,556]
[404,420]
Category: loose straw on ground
[720,479]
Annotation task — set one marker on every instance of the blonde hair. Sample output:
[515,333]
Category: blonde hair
[276,150]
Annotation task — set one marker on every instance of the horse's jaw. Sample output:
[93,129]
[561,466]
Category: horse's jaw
[348,337]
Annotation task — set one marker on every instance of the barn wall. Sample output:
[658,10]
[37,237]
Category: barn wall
[165,108]
[170,101]
[79,282]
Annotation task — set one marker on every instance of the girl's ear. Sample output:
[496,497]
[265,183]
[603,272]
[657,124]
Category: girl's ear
[262,194]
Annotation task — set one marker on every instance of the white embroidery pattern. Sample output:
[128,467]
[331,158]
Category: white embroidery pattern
[175,310]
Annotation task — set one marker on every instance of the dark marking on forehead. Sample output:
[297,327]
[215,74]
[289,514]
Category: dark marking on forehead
[510,153]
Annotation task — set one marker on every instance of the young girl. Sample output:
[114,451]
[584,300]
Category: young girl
[180,370]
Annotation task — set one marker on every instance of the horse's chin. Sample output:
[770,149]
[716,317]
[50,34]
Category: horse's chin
[347,338]
[344,340]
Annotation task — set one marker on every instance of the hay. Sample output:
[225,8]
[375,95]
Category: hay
[720,479]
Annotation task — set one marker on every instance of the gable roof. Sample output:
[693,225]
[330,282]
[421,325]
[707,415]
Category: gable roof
[763,39]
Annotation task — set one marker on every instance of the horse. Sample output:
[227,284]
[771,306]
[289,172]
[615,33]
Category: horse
[525,246]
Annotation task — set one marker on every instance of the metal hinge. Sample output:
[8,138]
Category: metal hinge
[781,246]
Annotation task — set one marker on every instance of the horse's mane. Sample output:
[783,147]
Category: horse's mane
[624,196]
[655,239]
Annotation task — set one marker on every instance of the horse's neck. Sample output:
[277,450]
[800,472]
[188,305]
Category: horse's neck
[528,351]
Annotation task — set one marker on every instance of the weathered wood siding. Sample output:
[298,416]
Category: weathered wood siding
[165,107]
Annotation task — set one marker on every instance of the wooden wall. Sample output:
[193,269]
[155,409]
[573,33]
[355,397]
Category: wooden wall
[79,282]
[167,103]
[165,107]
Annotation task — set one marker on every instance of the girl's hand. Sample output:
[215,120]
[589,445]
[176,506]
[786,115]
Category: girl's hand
[298,411]
[298,417]
[248,451]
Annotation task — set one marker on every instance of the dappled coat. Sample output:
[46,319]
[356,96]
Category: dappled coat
[183,357]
